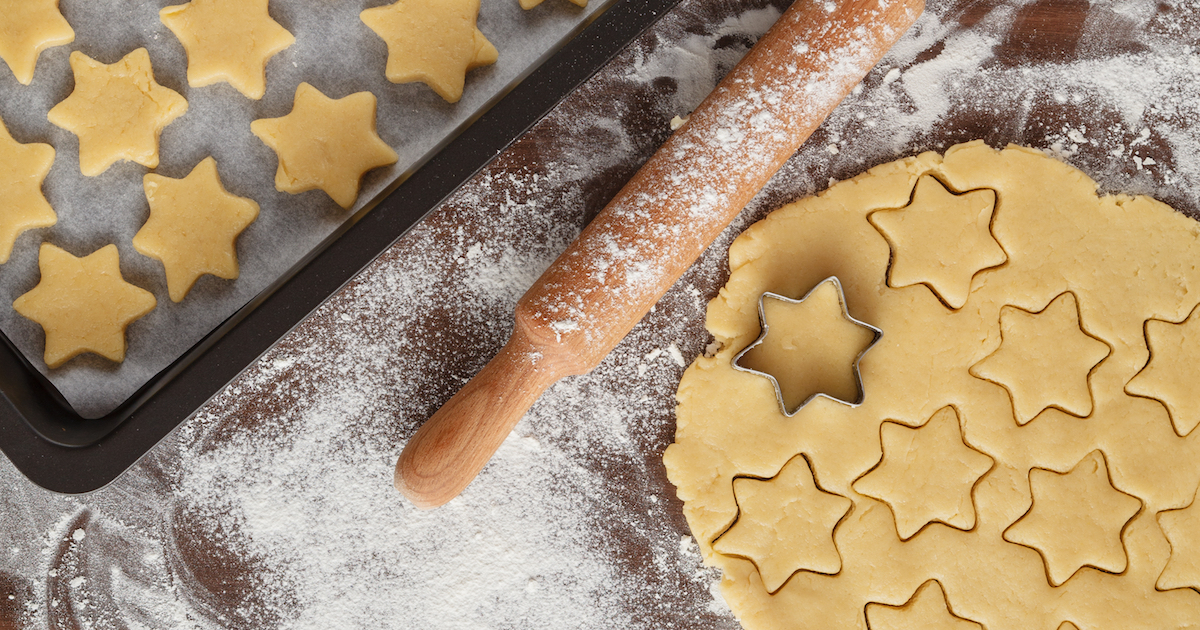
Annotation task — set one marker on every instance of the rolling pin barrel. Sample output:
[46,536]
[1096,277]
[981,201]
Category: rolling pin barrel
[656,227]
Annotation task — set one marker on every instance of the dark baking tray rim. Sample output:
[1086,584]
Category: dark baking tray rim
[59,450]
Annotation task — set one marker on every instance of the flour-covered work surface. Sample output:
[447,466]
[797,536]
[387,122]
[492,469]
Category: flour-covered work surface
[273,507]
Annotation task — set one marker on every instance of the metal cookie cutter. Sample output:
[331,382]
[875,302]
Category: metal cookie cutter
[762,320]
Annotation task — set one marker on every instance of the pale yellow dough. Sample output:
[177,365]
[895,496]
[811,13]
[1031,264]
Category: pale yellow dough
[1067,504]
[23,168]
[28,27]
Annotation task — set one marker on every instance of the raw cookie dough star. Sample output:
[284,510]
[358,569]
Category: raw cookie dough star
[227,40]
[83,304]
[809,347]
[1077,519]
[117,110]
[926,610]
[1173,370]
[23,167]
[926,474]
[1182,529]
[432,41]
[941,240]
[325,143]
[785,524]
[193,226]
[529,4]
[1044,360]
[28,28]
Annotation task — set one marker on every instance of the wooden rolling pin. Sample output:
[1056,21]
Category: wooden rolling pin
[656,227]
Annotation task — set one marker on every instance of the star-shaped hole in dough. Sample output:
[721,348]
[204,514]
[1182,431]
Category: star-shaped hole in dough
[325,143]
[83,304]
[117,110]
[432,41]
[193,227]
[927,609]
[1077,519]
[1182,529]
[941,239]
[227,40]
[529,4]
[926,475]
[785,524]
[28,28]
[1172,371]
[809,347]
[23,168]
[1045,360]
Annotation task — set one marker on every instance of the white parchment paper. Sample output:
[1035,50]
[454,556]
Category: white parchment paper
[336,53]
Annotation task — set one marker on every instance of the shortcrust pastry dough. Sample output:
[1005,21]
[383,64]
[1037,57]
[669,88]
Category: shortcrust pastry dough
[432,41]
[227,40]
[193,226]
[23,168]
[83,304]
[117,110]
[1079,523]
[28,28]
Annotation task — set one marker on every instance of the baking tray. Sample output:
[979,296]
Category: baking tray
[63,452]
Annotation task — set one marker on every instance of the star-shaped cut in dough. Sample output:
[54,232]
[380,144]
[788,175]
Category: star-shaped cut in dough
[809,347]
[117,110]
[941,240]
[28,28]
[193,227]
[227,40]
[529,4]
[325,143]
[926,474]
[1172,370]
[1067,625]
[432,41]
[1045,359]
[927,609]
[23,168]
[83,304]
[1077,519]
[785,524]
[1182,529]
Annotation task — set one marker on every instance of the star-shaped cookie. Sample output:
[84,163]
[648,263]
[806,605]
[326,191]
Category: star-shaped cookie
[28,28]
[193,226]
[785,524]
[1077,519]
[1044,360]
[432,41]
[227,40]
[325,143]
[529,4]
[927,609]
[941,240]
[926,475]
[1182,529]
[1172,372]
[83,304]
[809,347]
[23,168]
[117,110]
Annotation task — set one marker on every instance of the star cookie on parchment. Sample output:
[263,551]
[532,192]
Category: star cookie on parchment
[1182,529]
[23,168]
[785,524]
[1044,360]
[227,40]
[193,227]
[927,609]
[83,304]
[1172,372]
[941,239]
[529,4]
[325,143]
[27,28]
[926,475]
[1077,519]
[117,110]
[432,41]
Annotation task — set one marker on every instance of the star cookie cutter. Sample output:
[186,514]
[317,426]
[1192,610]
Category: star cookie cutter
[762,322]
